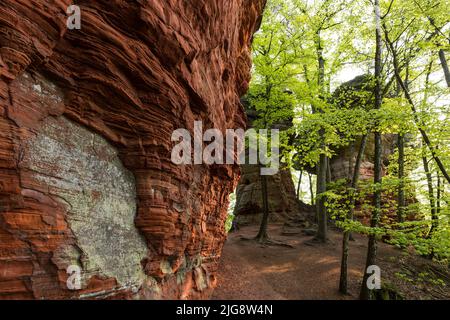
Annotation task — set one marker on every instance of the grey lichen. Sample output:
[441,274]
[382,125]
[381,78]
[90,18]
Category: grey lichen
[84,171]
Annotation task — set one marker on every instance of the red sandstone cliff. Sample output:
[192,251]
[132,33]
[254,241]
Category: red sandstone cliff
[86,118]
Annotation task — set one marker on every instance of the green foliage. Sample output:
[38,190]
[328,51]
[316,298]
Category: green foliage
[230,215]
[324,117]
[229,223]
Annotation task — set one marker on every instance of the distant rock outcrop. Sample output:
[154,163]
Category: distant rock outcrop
[358,93]
[283,202]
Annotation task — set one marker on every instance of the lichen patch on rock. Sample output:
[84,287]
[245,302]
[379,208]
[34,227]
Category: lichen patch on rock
[83,171]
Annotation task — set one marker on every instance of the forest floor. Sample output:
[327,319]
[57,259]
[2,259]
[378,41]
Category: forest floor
[310,271]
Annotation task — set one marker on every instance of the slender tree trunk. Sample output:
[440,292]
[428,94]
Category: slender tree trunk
[445,66]
[311,190]
[262,234]
[401,201]
[350,162]
[323,162]
[431,197]
[365,293]
[299,186]
[343,282]
[321,208]
[439,195]
[438,205]
[372,246]
[401,176]
[328,170]
[442,57]
[405,90]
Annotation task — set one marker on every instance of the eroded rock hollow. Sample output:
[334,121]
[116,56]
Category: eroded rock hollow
[86,119]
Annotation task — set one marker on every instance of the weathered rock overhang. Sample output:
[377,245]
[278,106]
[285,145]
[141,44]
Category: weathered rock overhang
[86,118]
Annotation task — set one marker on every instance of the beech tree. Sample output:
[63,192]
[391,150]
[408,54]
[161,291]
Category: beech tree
[400,49]
[372,247]
[269,98]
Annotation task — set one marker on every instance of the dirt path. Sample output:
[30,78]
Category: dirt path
[307,272]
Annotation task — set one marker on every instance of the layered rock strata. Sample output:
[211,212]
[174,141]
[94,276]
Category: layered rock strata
[86,118]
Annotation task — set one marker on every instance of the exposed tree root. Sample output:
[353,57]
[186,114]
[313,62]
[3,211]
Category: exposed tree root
[265,241]
[316,241]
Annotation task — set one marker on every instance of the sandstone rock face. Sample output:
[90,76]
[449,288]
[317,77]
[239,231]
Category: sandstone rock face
[342,164]
[86,118]
[283,202]
[83,172]
[357,93]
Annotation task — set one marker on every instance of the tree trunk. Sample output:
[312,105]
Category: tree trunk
[350,162]
[405,90]
[365,293]
[372,246]
[445,66]
[311,190]
[431,197]
[328,170]
[401,176]
[439,195]
[343,282]
[299,185]
[322,168]
[401,201]
[321,209]
[442,57]
[262,234]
